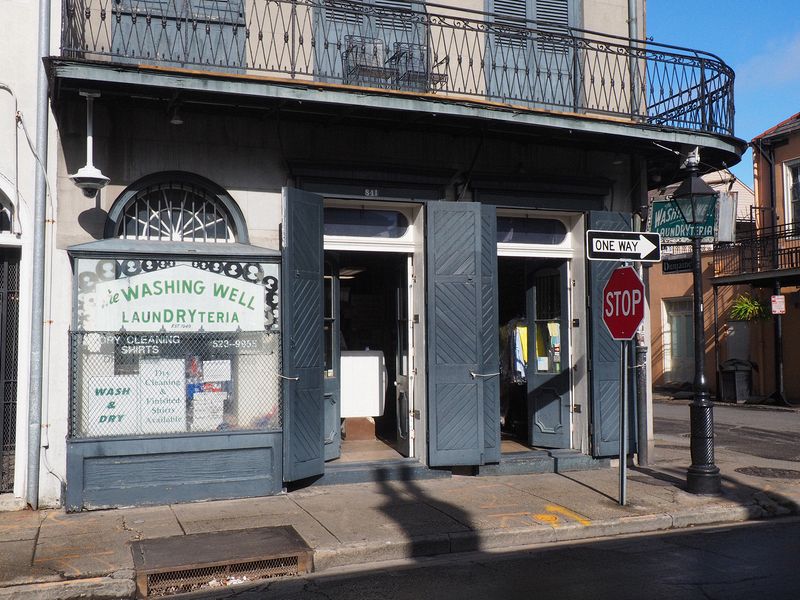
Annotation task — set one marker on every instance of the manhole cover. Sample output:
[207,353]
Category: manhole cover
[769,472]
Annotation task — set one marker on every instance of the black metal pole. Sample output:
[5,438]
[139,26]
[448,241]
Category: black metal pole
[779,396]
[641,403]
[703,475]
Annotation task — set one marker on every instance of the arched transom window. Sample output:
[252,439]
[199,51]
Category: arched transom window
[6,214]
[176,211]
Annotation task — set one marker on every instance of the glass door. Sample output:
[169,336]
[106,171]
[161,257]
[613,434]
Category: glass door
[548,371]
[331,334]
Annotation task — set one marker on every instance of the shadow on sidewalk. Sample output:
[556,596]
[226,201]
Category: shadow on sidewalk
[685,563]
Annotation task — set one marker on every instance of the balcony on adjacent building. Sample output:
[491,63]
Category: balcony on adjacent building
[760,257]
[428,50]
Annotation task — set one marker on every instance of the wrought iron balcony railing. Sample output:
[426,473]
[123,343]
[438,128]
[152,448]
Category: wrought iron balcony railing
[414,47]
[764,250]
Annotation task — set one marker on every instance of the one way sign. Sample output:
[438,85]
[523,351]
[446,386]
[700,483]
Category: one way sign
[641,246]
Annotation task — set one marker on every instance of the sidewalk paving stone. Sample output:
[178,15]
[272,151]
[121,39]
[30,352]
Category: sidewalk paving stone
[85,555]
[311,530]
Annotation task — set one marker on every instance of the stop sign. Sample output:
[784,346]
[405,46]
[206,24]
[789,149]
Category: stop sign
[623,303]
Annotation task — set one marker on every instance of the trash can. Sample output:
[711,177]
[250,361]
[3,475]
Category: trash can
[737,380]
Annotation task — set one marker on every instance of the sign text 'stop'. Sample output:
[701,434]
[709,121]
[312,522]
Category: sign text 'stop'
[623,303]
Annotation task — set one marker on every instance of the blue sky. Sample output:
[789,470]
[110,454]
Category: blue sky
[760,39]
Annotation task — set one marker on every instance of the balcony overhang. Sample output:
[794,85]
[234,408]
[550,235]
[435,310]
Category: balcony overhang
[655,143]
[762,279]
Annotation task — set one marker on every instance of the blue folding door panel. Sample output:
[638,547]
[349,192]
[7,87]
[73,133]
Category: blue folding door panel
[490,336]
[605,352]
[461,385]
[303,345]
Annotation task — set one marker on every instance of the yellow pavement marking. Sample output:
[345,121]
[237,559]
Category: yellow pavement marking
[547,518]
[554,516]
[567,513]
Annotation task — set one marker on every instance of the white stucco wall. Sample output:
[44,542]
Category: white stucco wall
[19,62]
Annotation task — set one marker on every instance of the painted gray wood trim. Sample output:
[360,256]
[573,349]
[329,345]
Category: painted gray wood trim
[303,360]
[112,473]
[375,188]
[604,352]
[541,200]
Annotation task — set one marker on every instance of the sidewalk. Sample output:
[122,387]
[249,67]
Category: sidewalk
[51,554]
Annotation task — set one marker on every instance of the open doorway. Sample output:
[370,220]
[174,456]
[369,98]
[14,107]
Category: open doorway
[367,354]
[535,382]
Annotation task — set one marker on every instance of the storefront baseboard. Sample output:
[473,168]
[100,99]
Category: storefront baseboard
[543,461]
[407,469]
[111,473]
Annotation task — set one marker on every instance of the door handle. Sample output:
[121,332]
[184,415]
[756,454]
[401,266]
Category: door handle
[475,375]
[288,378]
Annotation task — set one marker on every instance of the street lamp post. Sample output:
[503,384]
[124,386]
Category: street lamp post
[694,199]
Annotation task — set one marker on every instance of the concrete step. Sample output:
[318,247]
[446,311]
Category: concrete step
[406,469]
[543,461]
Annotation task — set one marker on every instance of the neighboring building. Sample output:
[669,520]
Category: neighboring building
[302,190]
[767,260]
[18,61]
[671,304]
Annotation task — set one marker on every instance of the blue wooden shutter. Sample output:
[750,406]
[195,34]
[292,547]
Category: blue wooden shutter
[455,398]
[219,37]
[490,335]
[605,352]
[303,360]
[180,33]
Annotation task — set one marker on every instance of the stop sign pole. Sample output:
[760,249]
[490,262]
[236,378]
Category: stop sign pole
[623,311]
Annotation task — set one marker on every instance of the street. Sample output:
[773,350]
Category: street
[767,433]
[755,560]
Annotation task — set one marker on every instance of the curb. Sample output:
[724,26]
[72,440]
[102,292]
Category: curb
[96,588]
[121,586]
[474,541]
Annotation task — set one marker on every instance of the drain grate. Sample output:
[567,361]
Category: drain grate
[170,583]
[177,565]
[769,472]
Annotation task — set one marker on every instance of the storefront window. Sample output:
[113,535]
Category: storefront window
[354,222]
[547,322]
[519,230]
[166,346]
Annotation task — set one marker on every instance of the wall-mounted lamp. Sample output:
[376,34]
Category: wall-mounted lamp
[175,115]
[89,178]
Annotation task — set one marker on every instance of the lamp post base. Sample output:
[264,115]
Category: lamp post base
[705,481]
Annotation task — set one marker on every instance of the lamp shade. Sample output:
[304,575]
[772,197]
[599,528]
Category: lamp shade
[694,199]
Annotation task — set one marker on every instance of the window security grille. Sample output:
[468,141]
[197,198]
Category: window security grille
[133,384]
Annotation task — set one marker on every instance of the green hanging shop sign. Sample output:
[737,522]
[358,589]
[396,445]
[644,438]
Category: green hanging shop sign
[666,219]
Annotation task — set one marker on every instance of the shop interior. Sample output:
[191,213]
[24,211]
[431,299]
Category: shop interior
[372,326]
[512,295]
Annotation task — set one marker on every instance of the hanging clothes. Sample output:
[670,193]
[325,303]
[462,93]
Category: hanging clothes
[520,340]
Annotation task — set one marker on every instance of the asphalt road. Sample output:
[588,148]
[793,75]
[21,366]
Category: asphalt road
[763,432]
[750,561]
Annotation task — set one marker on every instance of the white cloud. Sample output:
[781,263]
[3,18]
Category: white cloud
[777,65]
